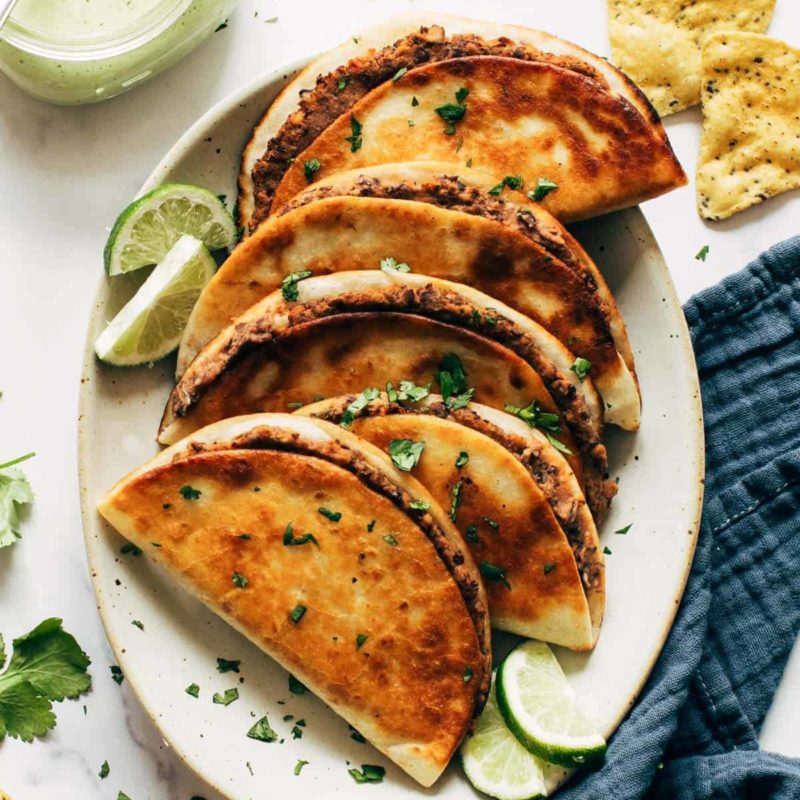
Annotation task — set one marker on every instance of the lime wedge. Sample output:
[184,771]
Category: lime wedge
[150,325]
[497,764]
[150,226]
[538,705]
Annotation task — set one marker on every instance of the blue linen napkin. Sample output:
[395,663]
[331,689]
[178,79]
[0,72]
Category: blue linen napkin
[693,733]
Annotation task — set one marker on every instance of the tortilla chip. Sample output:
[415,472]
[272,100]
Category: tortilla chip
[750,148]
[658,42]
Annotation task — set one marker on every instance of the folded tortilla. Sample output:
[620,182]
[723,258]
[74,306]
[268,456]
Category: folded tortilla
[501,510]
[228,512]
[607,124]
[458,228]
[350,330]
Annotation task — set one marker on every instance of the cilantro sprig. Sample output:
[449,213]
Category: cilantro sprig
[15,491]
[47,665]
[452,379]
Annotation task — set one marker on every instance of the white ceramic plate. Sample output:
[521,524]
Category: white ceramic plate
[660,474]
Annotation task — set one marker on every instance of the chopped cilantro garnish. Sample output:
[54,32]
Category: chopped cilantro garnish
[455,498]
[246,536]
[297,613]
[262,731]
[295,687]
[408,391]
[356,736]
[341,83]
[581,367]
[452,379]
[224,665]
[494,573]
[47,665]
[369,773]
[535,417]
[405,454]
[360,639]
[289,284]
[121,795]
[625,529]
[512,181]
[130,548]
[468,674]
[491,523]
[104,770]
[371,525]
[414,101]
[548,568]
[189,493]
[226,698]
[357,406]
[297,732]
[471,532]
[355,139]
[138,623]
[390,264]
[389,539]
[333,516]
[702,253]
[399,74]
[310,167]
[419,505]
[239,580]
[543,188]
[192,689]
[560,446]
[607,551]
[463,458]
[452,113]
[289,539]
[117,675]
[298,767]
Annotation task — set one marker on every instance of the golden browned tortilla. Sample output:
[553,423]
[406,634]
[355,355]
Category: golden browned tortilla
[457,228]
[381,611]
[349,330]
[498,505]
[331,85]
[556,124]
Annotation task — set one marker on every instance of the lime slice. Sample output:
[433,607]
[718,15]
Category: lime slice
[150,226]
[538,705]
[150,325]
[497,764]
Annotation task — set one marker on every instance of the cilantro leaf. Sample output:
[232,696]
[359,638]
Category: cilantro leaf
[702,253]
[355,139]
[295,687]
[226,698]
[262,731]
[452,379]
[310,167]
[227,665]
[299,766]
[390,264]
[369,773]
[512,181]
[47,664]
[289,284]
[494,573]
[14,491]
[357,406]
[405,454]
[543,188]
[581,367]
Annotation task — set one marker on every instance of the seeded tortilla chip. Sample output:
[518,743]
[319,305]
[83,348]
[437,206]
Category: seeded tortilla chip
[658,42]
[750,148]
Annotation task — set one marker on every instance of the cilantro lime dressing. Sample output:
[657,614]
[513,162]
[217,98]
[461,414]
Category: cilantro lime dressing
[82,19]
[82,51]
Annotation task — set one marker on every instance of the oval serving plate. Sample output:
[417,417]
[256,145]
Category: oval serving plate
[646,572]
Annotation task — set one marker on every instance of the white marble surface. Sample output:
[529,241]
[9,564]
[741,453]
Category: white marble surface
[65,173]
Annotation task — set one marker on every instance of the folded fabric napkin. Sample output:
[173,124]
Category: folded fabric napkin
[693,733]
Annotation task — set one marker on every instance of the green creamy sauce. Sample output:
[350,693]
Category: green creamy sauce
[83,51]
[81,19]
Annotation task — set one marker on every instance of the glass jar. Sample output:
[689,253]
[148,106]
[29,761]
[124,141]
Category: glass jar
[83,51]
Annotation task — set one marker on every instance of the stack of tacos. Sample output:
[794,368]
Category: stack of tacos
[451,354]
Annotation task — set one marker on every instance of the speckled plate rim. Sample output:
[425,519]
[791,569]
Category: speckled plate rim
[186,142]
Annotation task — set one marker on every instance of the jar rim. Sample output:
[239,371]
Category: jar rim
[138,33]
